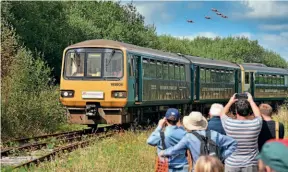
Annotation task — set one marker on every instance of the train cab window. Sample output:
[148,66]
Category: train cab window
[74,65]
[113,64]
[152,69]
[177,72]
[208,76]
[94,64]
[171,71]
[165,71]
[145,67]
[182,73]
[247,81]
[159,70]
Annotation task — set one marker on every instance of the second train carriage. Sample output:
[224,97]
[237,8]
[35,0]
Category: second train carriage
[104,81]
[264,83]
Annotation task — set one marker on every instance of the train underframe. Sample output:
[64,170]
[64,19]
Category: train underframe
[93,114]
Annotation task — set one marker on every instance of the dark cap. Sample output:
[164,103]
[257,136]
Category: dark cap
[172,114]
[274,154]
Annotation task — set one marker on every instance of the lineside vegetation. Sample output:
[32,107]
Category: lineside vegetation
[32,43]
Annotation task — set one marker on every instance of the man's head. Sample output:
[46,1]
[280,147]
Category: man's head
[273,156]
[172,116]
[216,109]
[266,110]
[243,107]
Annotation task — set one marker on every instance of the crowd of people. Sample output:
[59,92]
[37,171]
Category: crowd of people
[250,142]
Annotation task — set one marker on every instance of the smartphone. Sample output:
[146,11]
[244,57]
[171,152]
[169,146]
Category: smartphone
[241,96]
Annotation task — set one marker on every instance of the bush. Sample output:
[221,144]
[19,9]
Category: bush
[29,104]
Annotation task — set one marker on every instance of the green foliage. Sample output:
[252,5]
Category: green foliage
[233,49]
[29,105]
[49,27]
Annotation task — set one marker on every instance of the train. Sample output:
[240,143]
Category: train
[111,82]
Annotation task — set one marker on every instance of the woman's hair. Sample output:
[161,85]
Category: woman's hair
[209,164]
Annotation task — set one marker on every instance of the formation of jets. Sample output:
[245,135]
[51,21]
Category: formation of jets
[208,17]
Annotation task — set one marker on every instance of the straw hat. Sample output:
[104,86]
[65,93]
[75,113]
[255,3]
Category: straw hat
[195,121]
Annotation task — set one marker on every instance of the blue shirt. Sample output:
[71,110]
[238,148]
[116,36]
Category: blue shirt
[227,144]
[172,134]
[215,124]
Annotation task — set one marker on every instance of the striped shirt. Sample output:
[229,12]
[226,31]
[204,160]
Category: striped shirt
[245,132]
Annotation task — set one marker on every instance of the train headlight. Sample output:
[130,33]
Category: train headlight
[67,93]
[119,94]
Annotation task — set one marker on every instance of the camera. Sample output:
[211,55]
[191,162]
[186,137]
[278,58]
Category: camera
[241,96]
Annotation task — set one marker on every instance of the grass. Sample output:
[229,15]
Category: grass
[122,153]
[125,152]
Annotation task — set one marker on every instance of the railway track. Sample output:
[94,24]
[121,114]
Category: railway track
[68,141]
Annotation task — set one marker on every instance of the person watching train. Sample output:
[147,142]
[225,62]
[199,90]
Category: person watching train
[215,122]
[196,125]
[172,134]
[245,130]
[269,127]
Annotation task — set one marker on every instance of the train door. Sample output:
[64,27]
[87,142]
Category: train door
[134,77]
[248,82]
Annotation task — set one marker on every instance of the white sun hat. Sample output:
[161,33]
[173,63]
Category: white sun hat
[195,121]
[216,109]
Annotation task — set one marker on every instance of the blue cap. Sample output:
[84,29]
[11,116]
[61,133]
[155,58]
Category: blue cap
[172,112]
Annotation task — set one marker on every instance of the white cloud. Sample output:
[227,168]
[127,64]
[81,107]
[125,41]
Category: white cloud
[153,11]
[264,9]
[202,34]
[275,27]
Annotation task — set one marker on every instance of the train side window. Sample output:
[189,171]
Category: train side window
[282,80]
[213,74]
[165,71]
[257,79]
[202,75]
[232,77]
[182,73]
[208,76]
[130,65]
[177,73]
[171,71]
[247,78]
[145,68]
[152,71]
[159,70]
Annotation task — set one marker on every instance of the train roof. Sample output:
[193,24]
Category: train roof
[212,62]
[130,47]
[260,68]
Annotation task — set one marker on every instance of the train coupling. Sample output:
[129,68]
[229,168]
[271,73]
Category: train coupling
[91,110]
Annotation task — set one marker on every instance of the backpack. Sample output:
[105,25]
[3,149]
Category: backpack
[208,146]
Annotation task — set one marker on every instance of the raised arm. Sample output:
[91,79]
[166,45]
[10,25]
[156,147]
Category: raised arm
[228,105]
[155,138]
[253,105]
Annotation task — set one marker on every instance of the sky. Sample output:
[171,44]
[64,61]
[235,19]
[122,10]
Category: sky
[265,21]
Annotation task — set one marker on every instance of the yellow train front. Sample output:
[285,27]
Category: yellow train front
[93,87]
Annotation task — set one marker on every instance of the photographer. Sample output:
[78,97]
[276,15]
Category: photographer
[245,131]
